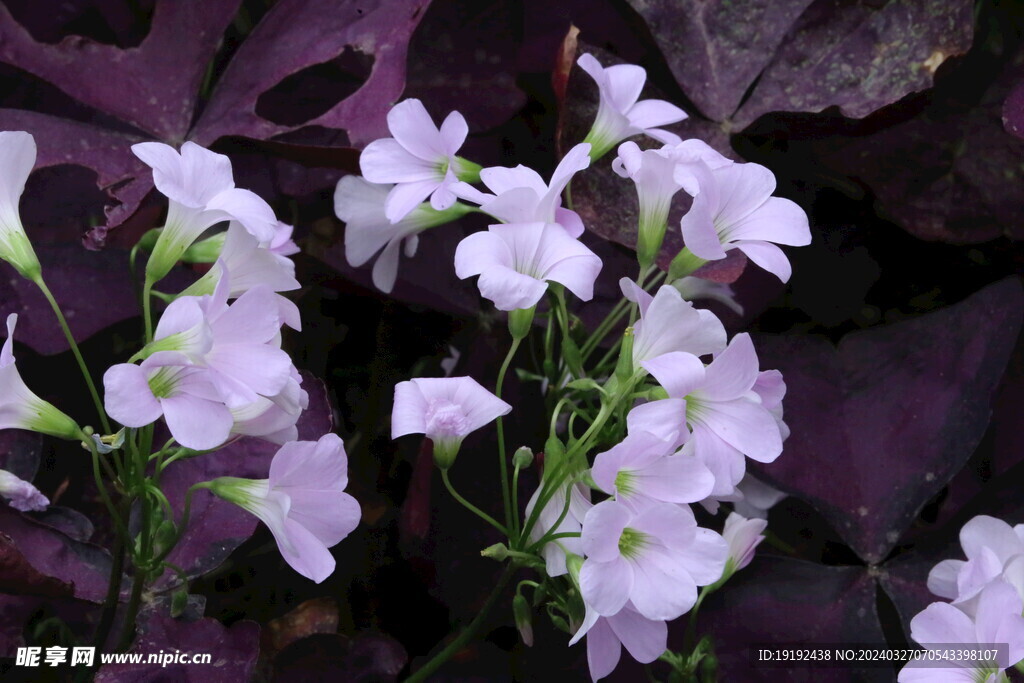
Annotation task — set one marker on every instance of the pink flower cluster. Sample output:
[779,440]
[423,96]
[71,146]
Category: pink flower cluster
[986,594]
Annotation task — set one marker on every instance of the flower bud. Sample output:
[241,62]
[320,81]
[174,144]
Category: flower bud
[522,458]
[521,611]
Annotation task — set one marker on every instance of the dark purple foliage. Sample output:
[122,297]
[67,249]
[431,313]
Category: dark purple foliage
[893,413]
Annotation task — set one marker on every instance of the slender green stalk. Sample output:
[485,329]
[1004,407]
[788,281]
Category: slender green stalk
[502,464]
[469,506]
[467,633]
[118,522]
[147,309]
[113,584]
[691,625]
[131,612]
[78,354]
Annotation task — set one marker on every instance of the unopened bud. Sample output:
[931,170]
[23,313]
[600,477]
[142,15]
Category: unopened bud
[522,458]
[521,611]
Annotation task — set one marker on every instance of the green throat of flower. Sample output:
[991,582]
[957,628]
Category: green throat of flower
[632,542]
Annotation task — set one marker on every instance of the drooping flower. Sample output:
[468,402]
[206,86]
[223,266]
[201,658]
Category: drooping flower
[361,205]
[248,265]
[642,468]
[445,409]
[990,545]
[743,536]
[522,196]
[998,622]
[619,114]
[655,558]
[555,552]
[20,494]
[515,262]
[20,408]
[201,191]
[669,324]
[17,157]
[734,209]
[726,416]
[273,417]
[420,159]
[302,502]
[645,639]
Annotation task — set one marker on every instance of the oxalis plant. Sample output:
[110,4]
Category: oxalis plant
[655,411]
[211,370]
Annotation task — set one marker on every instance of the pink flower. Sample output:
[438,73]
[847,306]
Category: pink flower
[743,536]
[991,545]
[619,114]
[734,209]
[420,159]
[653,171]
[202,192]
[20,494]
[670,324]
[645,639]
[361,205]
[515,262]
[998,620]
[642,468]
[522,196]
[727,417]
[445,409]
[20,407]
[303,502]
[655,558]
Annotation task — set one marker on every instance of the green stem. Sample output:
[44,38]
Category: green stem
[113,585]
[147,308]
[122,530]
[691,625]
[183,524]
[131,612]
[78,354]
[467,633]
[502,464]
[469,506]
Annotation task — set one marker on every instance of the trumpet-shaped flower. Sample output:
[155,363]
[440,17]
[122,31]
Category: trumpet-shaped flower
[998,621]
[20,408]
[515,262]
[642,468]
[991,545]
[20,494]
[653,171]
[733,209]
[522,196]
[669,324]
[554,552]
[361,205]
[645,639]
[727,417]
[17,157]
[743,536]
[303,502]
[619,114]
[420,159]
[248,265]
[201,192]
[655,558]
[445,409]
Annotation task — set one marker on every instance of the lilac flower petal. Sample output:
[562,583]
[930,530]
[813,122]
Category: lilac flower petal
[127,396]
[454,130]
[649,114]
[304,552]
[676,479]
[247,208]
[942,578]
[570,220]
[705,558]
[673,525]
[983,532]
[769,257]
[388,161]
[733,372]
[405,197]
[410,409]
[385,268]
[415,131]
[665,418]
[603,650]
[644,639]
[663,589]
[510,290]
[746,426]
[195,422]
[678,372]
[606,586]
[942,623]
[778,220]
[601,530]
